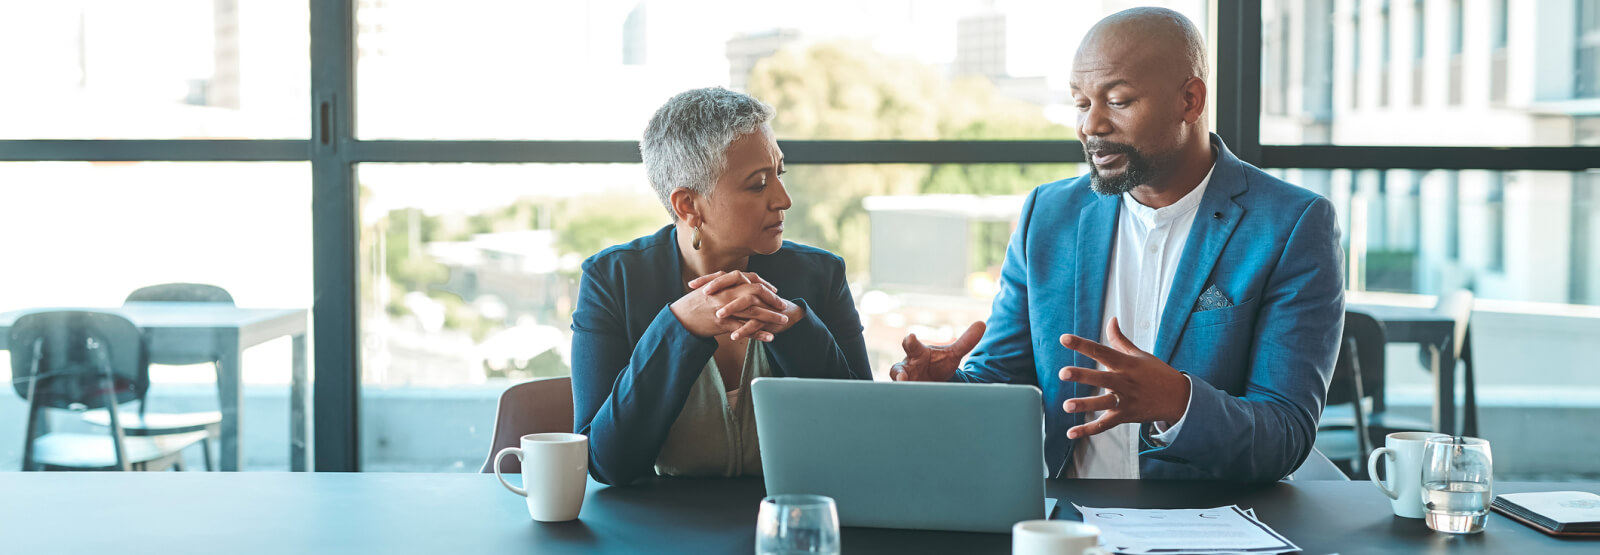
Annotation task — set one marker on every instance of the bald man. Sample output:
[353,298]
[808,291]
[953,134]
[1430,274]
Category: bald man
[1179,309]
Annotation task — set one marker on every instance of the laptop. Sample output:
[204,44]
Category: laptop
[931,456]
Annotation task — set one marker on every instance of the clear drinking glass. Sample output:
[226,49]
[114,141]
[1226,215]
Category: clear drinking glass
[1457,483]
[794,523]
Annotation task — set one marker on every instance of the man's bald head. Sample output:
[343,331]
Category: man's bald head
[1154,35]
[1139,85]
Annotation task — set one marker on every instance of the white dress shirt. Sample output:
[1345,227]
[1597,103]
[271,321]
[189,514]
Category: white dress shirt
[1144,258]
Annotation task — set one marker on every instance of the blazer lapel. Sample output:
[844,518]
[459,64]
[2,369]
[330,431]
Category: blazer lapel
[1214,222]
[1097,229]
[664,257]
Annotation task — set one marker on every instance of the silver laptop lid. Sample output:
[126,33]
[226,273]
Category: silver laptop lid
[931,456]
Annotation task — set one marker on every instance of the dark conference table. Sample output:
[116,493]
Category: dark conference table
[174,512]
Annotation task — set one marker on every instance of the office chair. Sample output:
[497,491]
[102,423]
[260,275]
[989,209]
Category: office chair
[536,407]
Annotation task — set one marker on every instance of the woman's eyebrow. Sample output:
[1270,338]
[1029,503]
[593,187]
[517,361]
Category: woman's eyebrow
[761,170]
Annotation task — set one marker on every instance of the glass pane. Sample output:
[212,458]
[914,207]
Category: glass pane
[468,289]
[597,69]
[1416,73]
[1527,244]
[85,235]
[190,69]
[1516,236]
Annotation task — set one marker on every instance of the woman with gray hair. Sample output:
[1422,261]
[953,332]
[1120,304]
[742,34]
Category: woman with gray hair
[670,328]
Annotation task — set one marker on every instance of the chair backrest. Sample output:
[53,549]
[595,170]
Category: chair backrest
[180,292]
[1457,306]
[1358,371]
[536,407]
[61,358]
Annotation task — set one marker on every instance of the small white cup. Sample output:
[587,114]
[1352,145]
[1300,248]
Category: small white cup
[555,471]
[1055,537]
[1403,450]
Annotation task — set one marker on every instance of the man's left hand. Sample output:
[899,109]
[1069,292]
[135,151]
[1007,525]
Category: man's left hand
[1136,386]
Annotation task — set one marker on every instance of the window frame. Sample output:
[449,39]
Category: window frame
[335,152]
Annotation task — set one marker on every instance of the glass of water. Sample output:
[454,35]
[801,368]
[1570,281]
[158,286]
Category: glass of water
[1457,483]
[793,523]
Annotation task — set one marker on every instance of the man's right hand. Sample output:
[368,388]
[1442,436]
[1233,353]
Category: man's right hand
[934,363]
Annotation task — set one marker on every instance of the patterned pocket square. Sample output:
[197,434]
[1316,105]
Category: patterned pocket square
[1212,299]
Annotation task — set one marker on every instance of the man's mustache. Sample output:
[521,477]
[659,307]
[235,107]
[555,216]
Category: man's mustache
[1106,147]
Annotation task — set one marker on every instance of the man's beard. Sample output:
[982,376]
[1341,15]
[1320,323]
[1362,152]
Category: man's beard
[1137,171]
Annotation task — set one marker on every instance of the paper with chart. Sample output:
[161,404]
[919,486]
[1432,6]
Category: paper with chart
[1169,531]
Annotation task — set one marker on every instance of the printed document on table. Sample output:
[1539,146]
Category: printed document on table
[1219,530]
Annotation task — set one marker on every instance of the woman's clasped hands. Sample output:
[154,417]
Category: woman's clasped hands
[739,304]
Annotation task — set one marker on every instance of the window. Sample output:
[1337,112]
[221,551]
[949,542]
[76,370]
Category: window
[1431,231]
[1494,229]
[1419,50]
[1452,216]
[1274,70]
[467,290]
[1447,43]
[1522,306]
[1502,26]
[153,70]
[86,234]
[597,70]
[1498,59]
[1588,55]
[1386,35]
[435,264]
[1418,29]
[1357,63]
[1585,279]
[1458,35]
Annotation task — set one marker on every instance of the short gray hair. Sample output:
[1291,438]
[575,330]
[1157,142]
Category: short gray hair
[686,144]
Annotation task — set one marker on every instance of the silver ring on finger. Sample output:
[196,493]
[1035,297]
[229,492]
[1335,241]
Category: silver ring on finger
[1117,398]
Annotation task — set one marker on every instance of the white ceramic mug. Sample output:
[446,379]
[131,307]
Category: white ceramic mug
[555,472]
[1055,537]
[1403,450]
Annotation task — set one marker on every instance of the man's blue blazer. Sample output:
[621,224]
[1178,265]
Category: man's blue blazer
[1259,368]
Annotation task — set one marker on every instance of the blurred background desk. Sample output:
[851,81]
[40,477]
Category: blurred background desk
[1413,319]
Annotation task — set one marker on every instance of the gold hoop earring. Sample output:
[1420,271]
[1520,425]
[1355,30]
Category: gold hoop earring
[695,241]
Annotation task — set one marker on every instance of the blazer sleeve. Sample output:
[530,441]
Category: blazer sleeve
[1005,354]
[827,342]
[1265,434]
[627,395]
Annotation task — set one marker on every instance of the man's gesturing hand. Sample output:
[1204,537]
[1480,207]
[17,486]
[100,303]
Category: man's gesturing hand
[934,363]
[1137,386]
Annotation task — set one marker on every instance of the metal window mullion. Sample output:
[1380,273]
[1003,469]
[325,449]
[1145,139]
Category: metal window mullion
[154,150]
[795,152]
[337,395]
[1238,82]
[1430,158]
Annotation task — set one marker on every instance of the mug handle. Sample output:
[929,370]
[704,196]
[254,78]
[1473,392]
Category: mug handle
[501,455]
[1372,470]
